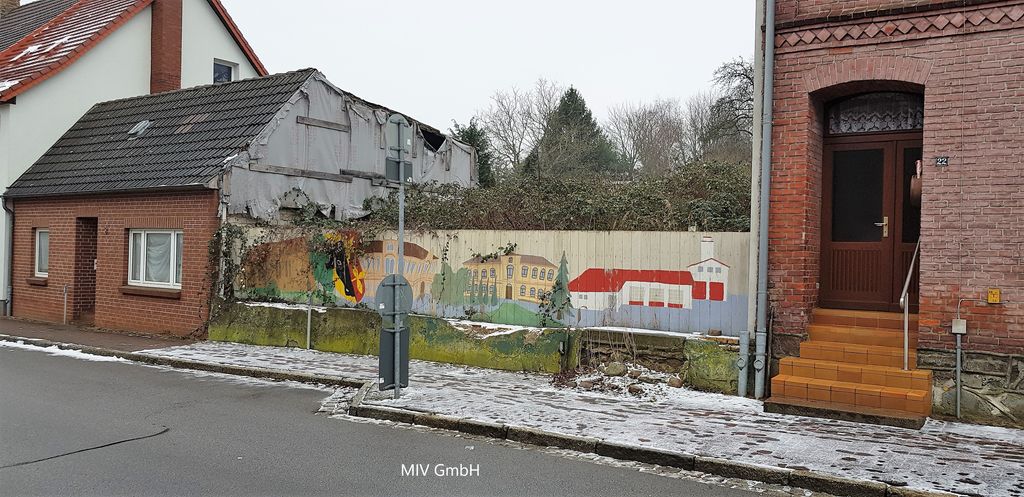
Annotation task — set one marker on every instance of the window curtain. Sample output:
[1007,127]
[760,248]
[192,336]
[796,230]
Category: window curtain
[158,257]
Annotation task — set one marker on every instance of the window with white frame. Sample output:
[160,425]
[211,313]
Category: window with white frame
[224,71]
[42,259]
[154,258]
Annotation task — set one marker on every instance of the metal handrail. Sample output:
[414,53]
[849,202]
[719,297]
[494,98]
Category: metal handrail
[906,308]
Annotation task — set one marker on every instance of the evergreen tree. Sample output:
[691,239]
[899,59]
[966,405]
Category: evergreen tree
[572,143]
[560,299]
[474,134]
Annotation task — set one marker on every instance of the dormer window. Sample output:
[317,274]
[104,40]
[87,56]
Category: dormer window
[224,71]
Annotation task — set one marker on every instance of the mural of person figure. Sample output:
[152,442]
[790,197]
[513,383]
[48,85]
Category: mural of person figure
[346,272]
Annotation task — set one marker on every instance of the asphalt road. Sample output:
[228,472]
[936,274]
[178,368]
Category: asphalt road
[74,427]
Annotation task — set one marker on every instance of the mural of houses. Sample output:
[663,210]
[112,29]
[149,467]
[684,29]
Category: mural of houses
[517,277]
[599,289]
[710,275]
[381,259]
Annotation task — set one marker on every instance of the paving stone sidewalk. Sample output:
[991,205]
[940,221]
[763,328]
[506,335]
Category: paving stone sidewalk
[953,457]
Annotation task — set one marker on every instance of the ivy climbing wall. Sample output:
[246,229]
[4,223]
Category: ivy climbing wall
[667,281]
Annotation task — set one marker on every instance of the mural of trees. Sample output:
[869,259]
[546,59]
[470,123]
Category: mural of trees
[561,304]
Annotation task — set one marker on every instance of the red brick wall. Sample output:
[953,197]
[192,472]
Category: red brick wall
[165,47]
[193,212]
[804,10]
[972,226]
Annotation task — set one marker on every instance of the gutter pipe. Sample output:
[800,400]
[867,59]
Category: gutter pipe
[9,253]
[761,329]
[743,363]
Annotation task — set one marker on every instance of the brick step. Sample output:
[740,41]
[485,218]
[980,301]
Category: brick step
[852,353]
[803,407]
[866,319]
[883,337]
[856,373]
[847,395]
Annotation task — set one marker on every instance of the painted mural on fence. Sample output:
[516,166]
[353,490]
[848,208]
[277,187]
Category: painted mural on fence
[681,282]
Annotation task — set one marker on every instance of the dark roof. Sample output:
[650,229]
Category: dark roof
[23,20]
[192,133]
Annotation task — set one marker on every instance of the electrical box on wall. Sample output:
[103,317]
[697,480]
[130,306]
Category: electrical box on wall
[959,327]
[994,296]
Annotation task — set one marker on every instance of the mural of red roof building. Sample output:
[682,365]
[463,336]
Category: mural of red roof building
[600,289]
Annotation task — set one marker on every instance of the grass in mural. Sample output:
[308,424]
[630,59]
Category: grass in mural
[515,314]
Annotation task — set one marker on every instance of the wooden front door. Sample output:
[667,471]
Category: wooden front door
[869,225]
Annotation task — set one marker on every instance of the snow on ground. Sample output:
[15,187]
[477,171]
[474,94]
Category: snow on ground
[944,456]
[57,351]
[283,305]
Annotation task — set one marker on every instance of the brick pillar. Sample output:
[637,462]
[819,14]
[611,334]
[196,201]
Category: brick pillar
[165,46]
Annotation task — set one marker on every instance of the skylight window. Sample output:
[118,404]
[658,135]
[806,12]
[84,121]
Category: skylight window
[139,129]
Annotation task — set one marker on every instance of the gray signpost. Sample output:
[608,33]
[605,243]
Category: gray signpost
[395,295]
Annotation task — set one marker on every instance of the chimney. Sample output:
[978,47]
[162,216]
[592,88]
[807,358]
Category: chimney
[165,46]
[707,248]
[6,6]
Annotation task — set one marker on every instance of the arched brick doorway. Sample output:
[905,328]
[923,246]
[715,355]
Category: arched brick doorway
[869,222]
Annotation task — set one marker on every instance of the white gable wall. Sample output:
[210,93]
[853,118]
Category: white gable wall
[204,38]
[116,67]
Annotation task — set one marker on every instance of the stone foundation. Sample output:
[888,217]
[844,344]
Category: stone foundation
[992,390]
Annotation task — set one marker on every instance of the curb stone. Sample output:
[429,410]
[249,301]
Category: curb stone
[646,455]
[194,365]
[836,485]
[720,467]
[534,436]
[733,469]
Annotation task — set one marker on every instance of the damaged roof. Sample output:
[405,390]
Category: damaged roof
[181,138]
[40,39]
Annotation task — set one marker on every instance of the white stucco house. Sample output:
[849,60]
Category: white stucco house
[60,57]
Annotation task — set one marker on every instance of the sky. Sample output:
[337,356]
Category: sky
[442,60]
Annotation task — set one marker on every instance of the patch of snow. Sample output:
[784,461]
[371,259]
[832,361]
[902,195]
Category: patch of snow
[28,50]
[6,85]
[495,329]
[282,305]
[643,331]
[229,159]
[57,351]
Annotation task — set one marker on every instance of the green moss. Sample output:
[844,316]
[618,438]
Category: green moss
[357,331]
[710,367]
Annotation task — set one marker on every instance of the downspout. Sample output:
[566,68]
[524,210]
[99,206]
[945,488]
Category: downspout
[9,254]
[743,364]
[761,329]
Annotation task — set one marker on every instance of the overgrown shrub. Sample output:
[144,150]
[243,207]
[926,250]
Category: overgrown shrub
[709,197]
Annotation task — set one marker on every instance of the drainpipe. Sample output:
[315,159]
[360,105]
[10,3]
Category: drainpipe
[9,253]
[743,363]
[761,330]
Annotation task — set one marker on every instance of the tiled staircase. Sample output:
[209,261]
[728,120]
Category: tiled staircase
[851,367]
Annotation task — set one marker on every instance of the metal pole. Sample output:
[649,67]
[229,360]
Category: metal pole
[741,363]
[906,334]
[958,369]
[761,326]
[65,304]
[401,264]
[309,320]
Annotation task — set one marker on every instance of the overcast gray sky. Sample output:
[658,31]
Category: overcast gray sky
[441,60]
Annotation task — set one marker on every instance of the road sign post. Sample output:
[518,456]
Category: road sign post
[401,292]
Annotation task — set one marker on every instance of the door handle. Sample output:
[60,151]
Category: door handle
[885,226]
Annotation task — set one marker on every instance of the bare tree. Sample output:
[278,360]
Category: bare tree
[648,137]
[735,104]
[699,124]
[516,120]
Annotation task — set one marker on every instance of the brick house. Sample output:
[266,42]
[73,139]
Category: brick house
[116,218]
[59,57]
[863,91]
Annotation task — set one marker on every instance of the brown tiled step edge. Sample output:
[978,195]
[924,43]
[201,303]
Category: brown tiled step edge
[849,395]
[920,379]
[867,319]
[883,337]
[856,354]
[803,407]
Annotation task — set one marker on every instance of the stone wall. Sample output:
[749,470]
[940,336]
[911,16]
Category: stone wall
[704,363]
[992,391]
